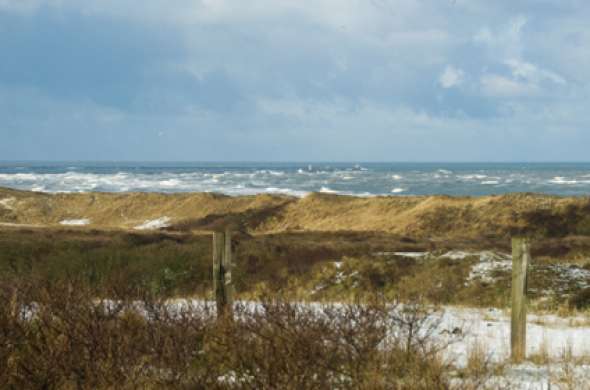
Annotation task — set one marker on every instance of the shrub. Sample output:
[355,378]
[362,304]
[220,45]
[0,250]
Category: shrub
[61,335]
[580,300]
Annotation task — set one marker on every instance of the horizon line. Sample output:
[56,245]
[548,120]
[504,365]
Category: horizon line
[302,161]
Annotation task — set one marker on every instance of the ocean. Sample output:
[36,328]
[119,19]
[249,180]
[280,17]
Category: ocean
[299,179]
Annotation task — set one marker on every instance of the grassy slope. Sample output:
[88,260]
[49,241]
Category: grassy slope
[287,244]
[432,216]
[314,265]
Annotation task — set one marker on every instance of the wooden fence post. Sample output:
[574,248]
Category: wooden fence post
[222,265]
[520,260]
[14,305]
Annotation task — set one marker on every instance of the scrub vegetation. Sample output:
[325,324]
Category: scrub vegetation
[97,305]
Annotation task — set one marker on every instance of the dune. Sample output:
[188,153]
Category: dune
[420,216]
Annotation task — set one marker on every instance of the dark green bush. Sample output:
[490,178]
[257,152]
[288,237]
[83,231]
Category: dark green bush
[580,300]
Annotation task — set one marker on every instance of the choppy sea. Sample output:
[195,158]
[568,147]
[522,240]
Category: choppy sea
[361,179]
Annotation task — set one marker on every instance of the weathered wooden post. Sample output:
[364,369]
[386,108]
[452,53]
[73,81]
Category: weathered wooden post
[222,265]
[14,305]
[521,258]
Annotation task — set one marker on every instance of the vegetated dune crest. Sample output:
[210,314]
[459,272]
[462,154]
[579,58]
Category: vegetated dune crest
[419,216]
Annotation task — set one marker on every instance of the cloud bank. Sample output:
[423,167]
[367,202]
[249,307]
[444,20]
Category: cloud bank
[379,80]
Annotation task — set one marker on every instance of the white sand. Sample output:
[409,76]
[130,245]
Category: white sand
[154,224]
[75,222]
[8,203]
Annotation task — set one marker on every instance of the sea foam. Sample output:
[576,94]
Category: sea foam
[562,180]
[296,179]
[327,190]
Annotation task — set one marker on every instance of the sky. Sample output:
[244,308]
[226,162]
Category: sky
[295,80]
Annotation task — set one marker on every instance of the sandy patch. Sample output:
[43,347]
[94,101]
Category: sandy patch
[154,224]
[8,203]
[19,225]
[75,222]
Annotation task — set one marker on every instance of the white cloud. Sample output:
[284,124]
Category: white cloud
[484,36]
[500,86]
[20,5]
[451,77]
[505,42]
[505,48]
[322,69]
[345,114]
[532,73]
[526,79]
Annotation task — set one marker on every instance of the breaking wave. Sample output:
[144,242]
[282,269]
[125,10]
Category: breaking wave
[301,179]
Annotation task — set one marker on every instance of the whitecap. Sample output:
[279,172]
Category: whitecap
[276,189]
[19,176]
[473,176]
[397,190]
[327,190]
[170,183]
[490,182]
[562,180]
[396,177]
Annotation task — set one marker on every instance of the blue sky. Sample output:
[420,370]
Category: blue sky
[295,80]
